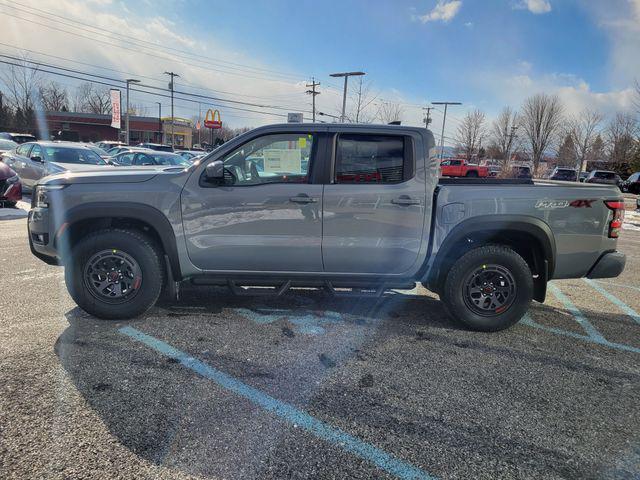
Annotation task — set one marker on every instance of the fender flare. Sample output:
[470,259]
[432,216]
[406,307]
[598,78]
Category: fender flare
[492,224]
[129,210]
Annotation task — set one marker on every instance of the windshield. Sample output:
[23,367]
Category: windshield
[81,156]
[7,145]
[98,150]
[605,175]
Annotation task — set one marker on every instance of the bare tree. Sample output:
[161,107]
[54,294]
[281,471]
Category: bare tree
[90,98]
[583,130]
[470,132]
[541,119]
[54,97]
[21,82]
[390,112]
[504,134]
[621,137]
[361,102]
[139,109]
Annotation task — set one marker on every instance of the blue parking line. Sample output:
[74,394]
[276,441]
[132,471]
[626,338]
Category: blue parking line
[577,314]
[618,285]
[284,410]
[615,300]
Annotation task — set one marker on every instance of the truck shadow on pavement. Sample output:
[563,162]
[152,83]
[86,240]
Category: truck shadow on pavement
[393,371]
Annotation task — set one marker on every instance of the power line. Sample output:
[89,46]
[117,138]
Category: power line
[138,90]
[110,34]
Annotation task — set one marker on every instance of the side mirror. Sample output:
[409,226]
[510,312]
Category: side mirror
[37,158]
[215,170]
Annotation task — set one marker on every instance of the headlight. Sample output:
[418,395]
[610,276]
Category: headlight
[42,194]
[12,180]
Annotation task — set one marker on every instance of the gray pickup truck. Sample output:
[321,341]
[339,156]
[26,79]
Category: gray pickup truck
[355,209]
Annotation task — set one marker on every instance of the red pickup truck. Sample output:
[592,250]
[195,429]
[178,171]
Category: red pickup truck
[458,167]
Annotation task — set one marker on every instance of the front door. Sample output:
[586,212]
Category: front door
[374,208]
[265,216]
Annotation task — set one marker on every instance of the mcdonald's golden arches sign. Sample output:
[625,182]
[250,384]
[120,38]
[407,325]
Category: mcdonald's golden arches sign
[210,119]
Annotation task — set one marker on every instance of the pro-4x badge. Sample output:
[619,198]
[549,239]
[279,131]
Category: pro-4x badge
[551,204]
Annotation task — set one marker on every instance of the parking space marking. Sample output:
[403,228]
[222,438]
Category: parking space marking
[618,285]
[309,323]
[615,300]
[291,414]
[580,318]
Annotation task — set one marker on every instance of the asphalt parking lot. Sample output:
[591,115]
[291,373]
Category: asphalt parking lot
[310,386]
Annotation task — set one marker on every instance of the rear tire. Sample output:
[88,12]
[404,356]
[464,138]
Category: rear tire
[488,289]
[472,174]
[115,273]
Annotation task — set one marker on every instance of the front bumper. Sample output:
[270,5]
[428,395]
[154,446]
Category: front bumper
[41,241]
[609,265]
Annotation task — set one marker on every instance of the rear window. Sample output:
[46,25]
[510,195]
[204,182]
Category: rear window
[80,156]
[605,175]
[369,159]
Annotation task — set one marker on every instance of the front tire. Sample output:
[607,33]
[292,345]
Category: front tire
[115,273]
[489,288]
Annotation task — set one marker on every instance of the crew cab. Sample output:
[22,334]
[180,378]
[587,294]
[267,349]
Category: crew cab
[354,209]
[459,167]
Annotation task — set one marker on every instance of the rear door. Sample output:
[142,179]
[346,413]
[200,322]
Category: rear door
[374,205]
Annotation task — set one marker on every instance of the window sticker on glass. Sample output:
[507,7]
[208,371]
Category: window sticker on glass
[278,160]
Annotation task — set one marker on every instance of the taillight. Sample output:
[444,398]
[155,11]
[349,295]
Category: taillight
[618,217]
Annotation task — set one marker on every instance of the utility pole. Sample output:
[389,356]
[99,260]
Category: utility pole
[129,82]
[313,94]
[444,119]
[199,121]
[346,76]
[508,152]
[427,116]
[160,121]
[172,75]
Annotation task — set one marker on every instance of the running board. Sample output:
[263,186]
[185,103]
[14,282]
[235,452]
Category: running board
[375,292]
[266,291]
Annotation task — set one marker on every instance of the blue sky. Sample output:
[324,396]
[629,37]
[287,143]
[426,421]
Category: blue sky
[484,53]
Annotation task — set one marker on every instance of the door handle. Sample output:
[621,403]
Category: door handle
[405,200]
[302,199]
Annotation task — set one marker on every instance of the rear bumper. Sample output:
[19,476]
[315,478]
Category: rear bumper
[609,265]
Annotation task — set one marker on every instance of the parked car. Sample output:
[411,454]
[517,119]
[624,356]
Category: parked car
[606,177]
[7,145]
[18,137]
[34,160]
[583,176]
[106,145]
[116,150]
[156,146]
[632,184]
[103,154]
[190,155]
[149,157]
[565,174]
[361,219]
[458,167]
[494,170]
[10,186]
[521,171]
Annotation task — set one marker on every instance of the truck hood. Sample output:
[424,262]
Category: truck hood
[108,174]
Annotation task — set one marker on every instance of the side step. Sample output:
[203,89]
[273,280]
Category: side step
[267,291]
[372,291]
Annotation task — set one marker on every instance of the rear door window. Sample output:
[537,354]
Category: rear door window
[24,149]
[370,159]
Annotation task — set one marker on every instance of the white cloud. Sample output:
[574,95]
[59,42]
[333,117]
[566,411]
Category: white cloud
[443,11]
[468,24]
[535,6]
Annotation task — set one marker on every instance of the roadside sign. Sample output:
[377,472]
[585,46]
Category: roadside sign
[115,108]
[210,119]
[294,117]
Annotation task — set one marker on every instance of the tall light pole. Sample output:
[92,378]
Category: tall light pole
[172,75]
[160,121]
[346,76]
[444,119]
[129,82]
[313,94]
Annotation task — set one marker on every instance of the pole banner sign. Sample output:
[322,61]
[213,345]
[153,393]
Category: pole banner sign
[210,119]
[115,108]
